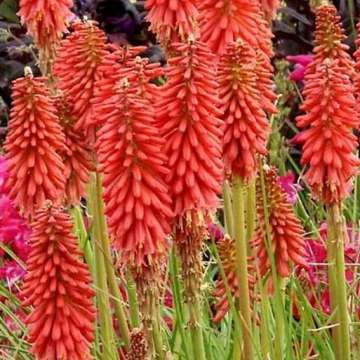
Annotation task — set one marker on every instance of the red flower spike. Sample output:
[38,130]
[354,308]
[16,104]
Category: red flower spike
[137,199]
[33,144]
[328,40]
[77,69]
[77,156]
[57,285]
[328,142]
[246,125]
[45,20]
[287,234]
[227,254]
[224,21]
[172,20]
[357,68]
[189,117]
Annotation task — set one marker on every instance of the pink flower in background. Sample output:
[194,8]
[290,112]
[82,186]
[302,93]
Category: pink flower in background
[215,232]
[287,183]
[3,174]
[301,63]
[11,272]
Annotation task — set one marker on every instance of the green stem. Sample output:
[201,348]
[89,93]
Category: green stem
[250,210]
[335,248]
[229,219]
[132,299]
[110,271]
[241,267]
[102,293]
[195,329]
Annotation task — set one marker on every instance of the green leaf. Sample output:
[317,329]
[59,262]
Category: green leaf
[8,9]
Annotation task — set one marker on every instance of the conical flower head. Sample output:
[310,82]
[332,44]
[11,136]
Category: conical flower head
[172,20]
[77,155]
[45,20]
[287,235]
[33,144]
[246,125]
[77,69]
[329,36]
[357,68]
[227,254]
[130,152]
[57,285]
[329,144]
[224,21]
[189,118]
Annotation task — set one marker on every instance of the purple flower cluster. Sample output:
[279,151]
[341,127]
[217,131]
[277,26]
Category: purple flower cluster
[14,234]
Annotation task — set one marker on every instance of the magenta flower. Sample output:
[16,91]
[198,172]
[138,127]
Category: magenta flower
[287,183]
[3,174]
[215,232]
[301,63]
[11,272]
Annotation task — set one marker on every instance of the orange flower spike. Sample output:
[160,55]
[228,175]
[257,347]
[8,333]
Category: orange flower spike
[130,152]
[287,233]
[327,137]
[45,20]
[172,20]
[224,21]
[357,68]
[77,69]
[226,249]
[246,125]
[33,144]
[77,156]
[189,117]
[329,37]
[57,285]
[269,7]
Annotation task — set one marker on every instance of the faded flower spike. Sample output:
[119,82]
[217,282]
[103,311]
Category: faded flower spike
[246,125]
[33,145]
[57,285]
[286,232]
[329,144]
[172,20]
[77,69]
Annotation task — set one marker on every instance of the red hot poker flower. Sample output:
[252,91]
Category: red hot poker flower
[269,8]
[77,69]
[130,153]
[189,117]
[224,21]
[57,285]
[287,240]
[77,156]
[328,39]
[33,144]
[328,142]
[357,68]
[172,20]
[45,20]
[246,125]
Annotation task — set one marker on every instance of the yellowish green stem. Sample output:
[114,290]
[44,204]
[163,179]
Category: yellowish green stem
[241,267]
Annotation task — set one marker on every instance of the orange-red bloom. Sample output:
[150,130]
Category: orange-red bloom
[328,142]
[33,144]
[227,254]
[172,20]
[224,21]
[189,117]
[246,125]
[57,285]
[77,156]
[269,8]
[357,68]
[138,204]
[45,20]
[328,39]
[287,240]
[77,69]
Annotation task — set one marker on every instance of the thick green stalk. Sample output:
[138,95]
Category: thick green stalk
[229,219]
[102,291]
[110,271]
[132,299]
[278,301]
[250,210]
[241,267]
[338,293]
